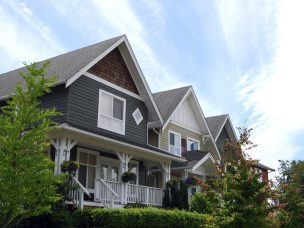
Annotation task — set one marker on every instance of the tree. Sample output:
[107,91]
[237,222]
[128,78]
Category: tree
[26,172]
[241,199]
[290,186]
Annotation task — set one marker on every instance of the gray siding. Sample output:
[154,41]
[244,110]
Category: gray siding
[83,110]
[220,140]
[58,98]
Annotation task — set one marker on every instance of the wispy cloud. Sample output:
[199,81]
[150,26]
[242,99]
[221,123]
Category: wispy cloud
[24,37]
[271,91]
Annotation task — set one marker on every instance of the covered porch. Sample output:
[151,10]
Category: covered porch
[103,161]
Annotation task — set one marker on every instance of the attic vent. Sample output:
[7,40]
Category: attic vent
[137,116]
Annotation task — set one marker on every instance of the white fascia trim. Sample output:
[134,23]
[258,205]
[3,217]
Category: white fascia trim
[203,117]
[92,63]
[142,78]
[179,104]
[223,125]
[186,127]
[195,140]
[73,129]
[205,158]
[98,79]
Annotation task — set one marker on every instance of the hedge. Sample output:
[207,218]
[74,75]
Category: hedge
[139,217]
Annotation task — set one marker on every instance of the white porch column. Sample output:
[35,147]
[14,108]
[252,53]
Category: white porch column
[63,147]
[166,172]
[124,161]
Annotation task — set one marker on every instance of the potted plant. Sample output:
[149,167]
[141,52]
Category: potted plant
[69,167]
[128,176]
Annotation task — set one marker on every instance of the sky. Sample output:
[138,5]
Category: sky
[243,58]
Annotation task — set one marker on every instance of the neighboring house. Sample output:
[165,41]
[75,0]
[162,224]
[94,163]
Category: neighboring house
[112,123]
[264,170]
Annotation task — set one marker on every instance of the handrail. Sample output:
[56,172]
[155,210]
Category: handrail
[146,186]
[81,186]
[109,187]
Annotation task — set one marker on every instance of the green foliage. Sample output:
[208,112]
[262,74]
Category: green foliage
[69,166]
[176,195]
[128,176]
[136,205]
[291,193]
[206,202]
[26,172]
[139,217]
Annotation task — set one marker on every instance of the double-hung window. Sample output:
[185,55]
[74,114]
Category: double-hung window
[174,143]
[192,144]
[111,112]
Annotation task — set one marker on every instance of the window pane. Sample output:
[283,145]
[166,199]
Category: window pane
[92,159]
[114,175]
[117,109]
[177,140]
[106,104]
[82,175]
[83,158]
[104,172]
[117,125]
[91,177]
[172,139]
[106,122]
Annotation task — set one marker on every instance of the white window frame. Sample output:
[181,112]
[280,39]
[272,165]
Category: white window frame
[194,140]
[100,109]
[138,121]
[180,142]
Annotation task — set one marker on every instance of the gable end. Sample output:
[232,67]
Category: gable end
[112,68]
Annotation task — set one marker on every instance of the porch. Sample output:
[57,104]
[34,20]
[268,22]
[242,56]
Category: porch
[102,164]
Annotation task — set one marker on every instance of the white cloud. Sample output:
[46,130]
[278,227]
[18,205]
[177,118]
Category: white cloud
[273,90]
[24,37]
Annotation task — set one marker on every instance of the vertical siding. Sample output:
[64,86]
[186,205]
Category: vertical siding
[83,110]
[184,134]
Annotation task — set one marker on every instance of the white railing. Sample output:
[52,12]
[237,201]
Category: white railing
[107,192]
[77,195]
[144,194]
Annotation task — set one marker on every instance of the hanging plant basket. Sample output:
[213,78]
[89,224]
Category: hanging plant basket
[69,167]
[128,176]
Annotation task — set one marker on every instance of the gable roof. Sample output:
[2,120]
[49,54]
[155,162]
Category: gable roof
[215,124]
[167,101]
[63,66]
[70,66]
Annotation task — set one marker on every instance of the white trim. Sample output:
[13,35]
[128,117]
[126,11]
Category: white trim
[92,63]
[223,125]
[73,129]
[185,127]
[138,121]
[194,140]
[143,78]
[205,158]
[179,104]
[123,116]
[105,82]
[180,142]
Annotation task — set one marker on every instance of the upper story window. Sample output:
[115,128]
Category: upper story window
[111,112]
[174,143]
[192,144]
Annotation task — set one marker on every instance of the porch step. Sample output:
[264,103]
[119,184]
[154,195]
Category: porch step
[92,204]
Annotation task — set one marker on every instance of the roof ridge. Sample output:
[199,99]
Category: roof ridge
[183,87]
[218,115]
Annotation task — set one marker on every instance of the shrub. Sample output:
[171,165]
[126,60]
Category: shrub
[135,205]
[139,217]
[128,176]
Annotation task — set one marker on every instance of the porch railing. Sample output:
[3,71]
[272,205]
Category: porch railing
[144,194]
[77,195]
[107,192]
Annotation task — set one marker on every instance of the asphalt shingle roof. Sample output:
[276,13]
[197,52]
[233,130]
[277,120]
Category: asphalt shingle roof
[62,66]
[192,157]
[215,123]
[168,100]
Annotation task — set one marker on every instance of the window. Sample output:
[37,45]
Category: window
[174,143]
[111,112]
[137,116]
[87,169]
[192,144]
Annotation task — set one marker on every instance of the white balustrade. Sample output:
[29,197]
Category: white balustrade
[107,192]
[77,195]
[144,195]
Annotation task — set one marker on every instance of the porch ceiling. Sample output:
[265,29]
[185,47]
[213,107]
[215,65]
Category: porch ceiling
[99,142]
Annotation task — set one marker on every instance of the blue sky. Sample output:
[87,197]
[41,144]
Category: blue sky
[242,57]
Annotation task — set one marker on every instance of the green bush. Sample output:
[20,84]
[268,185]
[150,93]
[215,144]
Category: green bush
[139,217]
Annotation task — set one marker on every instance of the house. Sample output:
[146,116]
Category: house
[112,124]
